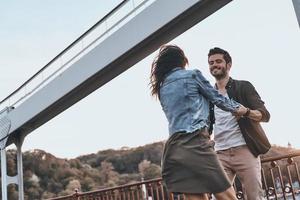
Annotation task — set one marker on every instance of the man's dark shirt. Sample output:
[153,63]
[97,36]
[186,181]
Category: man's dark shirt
[245,93]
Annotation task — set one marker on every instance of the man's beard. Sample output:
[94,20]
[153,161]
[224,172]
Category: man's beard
[221,75]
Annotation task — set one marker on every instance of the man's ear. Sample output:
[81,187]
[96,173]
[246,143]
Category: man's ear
[229,66]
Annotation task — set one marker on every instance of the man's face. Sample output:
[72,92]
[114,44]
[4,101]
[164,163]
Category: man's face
[218,67]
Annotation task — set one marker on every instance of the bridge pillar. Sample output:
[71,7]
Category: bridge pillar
[19,143]
[3,171]
[5,125]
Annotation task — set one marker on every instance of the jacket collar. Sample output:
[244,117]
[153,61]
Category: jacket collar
[173,70]
[176,69]
[229,83]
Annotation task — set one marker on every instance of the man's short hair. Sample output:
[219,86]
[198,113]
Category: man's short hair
[217,50]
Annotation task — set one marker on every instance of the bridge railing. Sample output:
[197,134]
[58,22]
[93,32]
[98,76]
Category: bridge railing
[151,189]
[280,178]
[107,25]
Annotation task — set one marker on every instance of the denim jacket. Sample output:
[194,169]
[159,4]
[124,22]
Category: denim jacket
[185,96]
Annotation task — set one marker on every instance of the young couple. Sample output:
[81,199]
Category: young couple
[193,164]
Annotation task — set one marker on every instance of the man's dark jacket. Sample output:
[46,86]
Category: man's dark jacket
[245,93]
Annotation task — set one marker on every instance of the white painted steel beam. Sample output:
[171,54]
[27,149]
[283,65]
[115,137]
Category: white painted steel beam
[297,9]
[157,24]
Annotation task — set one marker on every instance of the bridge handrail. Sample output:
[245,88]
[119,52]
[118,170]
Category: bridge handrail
[109,189]
[286,156]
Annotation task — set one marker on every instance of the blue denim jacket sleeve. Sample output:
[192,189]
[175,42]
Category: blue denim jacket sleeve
[208,91]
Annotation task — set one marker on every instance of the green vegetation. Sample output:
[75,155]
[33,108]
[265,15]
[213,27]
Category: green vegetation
[46,176]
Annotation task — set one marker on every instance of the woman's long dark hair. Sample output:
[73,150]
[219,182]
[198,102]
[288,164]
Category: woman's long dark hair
[169,57]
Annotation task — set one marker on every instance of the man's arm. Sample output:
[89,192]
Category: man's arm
[254,115]
[258,111]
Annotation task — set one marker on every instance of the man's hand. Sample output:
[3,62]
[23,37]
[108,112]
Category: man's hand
[242,110]
[255,115]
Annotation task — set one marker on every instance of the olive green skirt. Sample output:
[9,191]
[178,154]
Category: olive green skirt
[190,165]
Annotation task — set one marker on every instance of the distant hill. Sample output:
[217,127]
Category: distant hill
[47,176]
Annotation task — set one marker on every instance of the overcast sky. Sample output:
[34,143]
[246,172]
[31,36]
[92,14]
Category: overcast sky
[262,37]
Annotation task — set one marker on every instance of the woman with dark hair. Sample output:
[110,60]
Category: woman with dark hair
[189,163]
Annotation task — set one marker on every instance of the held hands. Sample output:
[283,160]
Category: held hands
[241,111]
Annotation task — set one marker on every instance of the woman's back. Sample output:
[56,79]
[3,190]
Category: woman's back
[185,107]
